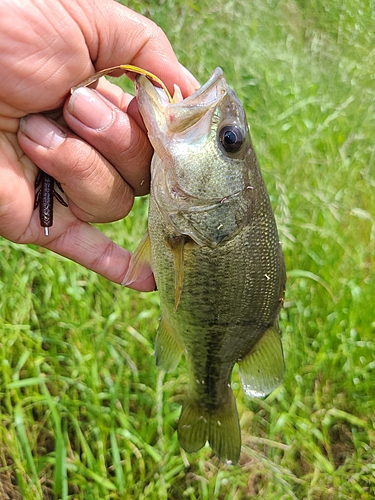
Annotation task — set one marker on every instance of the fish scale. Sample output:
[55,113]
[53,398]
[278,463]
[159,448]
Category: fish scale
[213,246]
[245,296]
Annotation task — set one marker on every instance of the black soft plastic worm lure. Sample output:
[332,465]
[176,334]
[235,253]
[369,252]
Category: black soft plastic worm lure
[46,192]
[44,199]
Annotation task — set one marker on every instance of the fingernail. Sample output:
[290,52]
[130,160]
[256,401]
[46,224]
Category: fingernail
[90,109]
[194,82]
[42,131]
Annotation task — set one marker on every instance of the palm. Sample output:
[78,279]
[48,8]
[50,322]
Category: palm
[52,61]
[45,49]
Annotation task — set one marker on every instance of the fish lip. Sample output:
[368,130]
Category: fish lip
[215,84]
[217,76]
[156,95]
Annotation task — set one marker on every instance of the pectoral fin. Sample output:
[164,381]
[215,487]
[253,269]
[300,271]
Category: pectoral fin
[168,349]
[262,369]
[177,244]
[140,262]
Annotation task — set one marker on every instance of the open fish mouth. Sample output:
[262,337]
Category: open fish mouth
[207,92]
[181,113]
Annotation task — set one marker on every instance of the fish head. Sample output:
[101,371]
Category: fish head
[204,161]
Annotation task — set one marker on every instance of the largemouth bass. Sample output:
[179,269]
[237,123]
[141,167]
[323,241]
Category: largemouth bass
[214,249]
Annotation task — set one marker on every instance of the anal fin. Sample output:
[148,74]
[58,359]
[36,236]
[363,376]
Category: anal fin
[262,369]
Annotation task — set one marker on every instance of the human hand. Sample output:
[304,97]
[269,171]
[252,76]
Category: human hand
[94,142]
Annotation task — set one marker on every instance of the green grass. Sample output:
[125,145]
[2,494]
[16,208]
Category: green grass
[85,413]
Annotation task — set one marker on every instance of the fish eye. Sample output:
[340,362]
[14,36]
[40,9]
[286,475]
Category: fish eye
[231,138]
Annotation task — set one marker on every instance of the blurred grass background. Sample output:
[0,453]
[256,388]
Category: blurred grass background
[84,412]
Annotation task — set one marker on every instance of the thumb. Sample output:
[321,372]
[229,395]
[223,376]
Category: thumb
[117,35]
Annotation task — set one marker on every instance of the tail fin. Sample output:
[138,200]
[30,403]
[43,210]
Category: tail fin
[220,427]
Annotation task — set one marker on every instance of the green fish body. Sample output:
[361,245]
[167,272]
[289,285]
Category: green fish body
[214,249]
